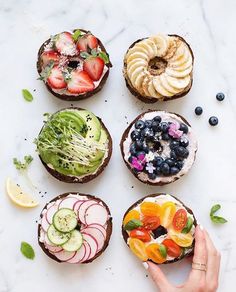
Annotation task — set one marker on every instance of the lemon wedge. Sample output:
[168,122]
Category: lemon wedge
[18,196]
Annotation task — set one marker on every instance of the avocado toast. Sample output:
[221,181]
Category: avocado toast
[74,145]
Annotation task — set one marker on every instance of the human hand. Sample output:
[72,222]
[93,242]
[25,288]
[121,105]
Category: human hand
[202,278]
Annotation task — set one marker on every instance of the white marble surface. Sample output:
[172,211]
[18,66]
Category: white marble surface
[209,26]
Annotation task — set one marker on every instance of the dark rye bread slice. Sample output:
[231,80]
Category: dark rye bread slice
[87,178]
[125,234]
[70,97]
[109,227]
[150,99]
[125,135]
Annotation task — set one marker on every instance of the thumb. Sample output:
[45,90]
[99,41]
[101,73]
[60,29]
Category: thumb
[158,277]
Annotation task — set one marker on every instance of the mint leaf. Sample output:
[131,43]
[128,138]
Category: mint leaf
[163,250]
[27,250]
[94,52]
[216,219]
[23,165]
[27,95]
[76,35]
[104,56]
[46,71]
[133,224]
[84,55]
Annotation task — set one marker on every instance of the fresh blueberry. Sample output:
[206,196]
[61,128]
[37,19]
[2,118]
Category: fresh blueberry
[158,161]
[157,119]
[173,154]
[165,168]
[155,126]
[132,149]
[220,96]
[158,171]
[163,127]
[174,144]
[179,164]
[174,170]
[138,145]
[147,133]
[183,128]
[145,147]
[198,110]
[148,123]
[170,162]
[165,136]
[184,142]
[135,135]
[181,152]
[152,176]
[213,121]
[140,125]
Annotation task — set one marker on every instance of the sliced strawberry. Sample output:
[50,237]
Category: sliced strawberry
[56,79]
[48,56]
[65,44]
[80,82]
[94,67]
[82,44]
[92,41]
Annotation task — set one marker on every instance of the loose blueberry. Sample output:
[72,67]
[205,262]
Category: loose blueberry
[174,170]
[165,168]
[198,110]
[152,176]
[135,135]
[132,149]
[140,125]
[174,144]
[184,142]
[170,162]
[165,136]
[220,96]
[158,161]
[163,127]
[157,119]
[183,128]
[155,125]
[181,152]
[148,123]
[213,121]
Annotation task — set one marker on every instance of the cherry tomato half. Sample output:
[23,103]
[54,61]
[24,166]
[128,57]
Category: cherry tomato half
[180,219]
[138,248]
[150,222]
[154,254]
[141,234]
[173,250]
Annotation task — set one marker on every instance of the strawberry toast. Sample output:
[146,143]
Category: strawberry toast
[73,65]
[74,228]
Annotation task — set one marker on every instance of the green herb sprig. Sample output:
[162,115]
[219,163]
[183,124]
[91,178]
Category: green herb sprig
[23,165]
[214,218]
[27,250]
[27,95]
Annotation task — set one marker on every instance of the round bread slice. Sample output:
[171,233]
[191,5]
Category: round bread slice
[108,228]
[75,97]
[190,249]
[150,99]
[85,178]
[125,140]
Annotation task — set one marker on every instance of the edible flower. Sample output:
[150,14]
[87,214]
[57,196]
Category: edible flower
[174,130]
[149,167]
[139,162]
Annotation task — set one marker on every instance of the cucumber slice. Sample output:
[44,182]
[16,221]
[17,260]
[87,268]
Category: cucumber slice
[56,237]
[75,242]
[65,220]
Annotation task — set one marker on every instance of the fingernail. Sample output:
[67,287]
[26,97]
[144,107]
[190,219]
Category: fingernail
[201,227]
[145,264]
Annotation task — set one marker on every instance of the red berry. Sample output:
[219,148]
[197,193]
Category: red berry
[56,79]
[92,41]
[94,67]
[80,82]
[82,44]
[48,56]
[65,44]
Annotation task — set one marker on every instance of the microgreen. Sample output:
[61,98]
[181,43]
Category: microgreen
[216,219]
[23,165]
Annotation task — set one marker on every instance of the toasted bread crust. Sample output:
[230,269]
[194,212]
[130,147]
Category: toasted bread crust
[125,235]
[152,99]
[109,227]
[78,96]
[87,178]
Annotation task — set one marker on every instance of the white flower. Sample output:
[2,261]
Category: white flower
[149,167]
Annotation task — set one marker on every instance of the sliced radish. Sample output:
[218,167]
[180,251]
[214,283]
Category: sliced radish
[77,205]
[68,202]
[79,255]
[53,249]
[64,256]
[87,252]
[100,227]
[50,212]
[92,242]
[44,223]
[96,214]
[97,234]
[83,207]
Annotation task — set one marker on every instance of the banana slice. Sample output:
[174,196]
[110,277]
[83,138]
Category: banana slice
[149,46]
[184,66]
[187,57]
[135,74]
[137,55]
[134,66]
[152,90]
[159,88]
[167,86]
[162,43]
[172,48]
[179,74]
[138,81]
[180,53]
[145,86]
[178,83]
[140,61]
[135,49]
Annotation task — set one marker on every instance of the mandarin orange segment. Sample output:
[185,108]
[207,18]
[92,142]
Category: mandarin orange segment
[150,209]
[133,214]
[153,252]
[138,248]
[168,210]
[183,240]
